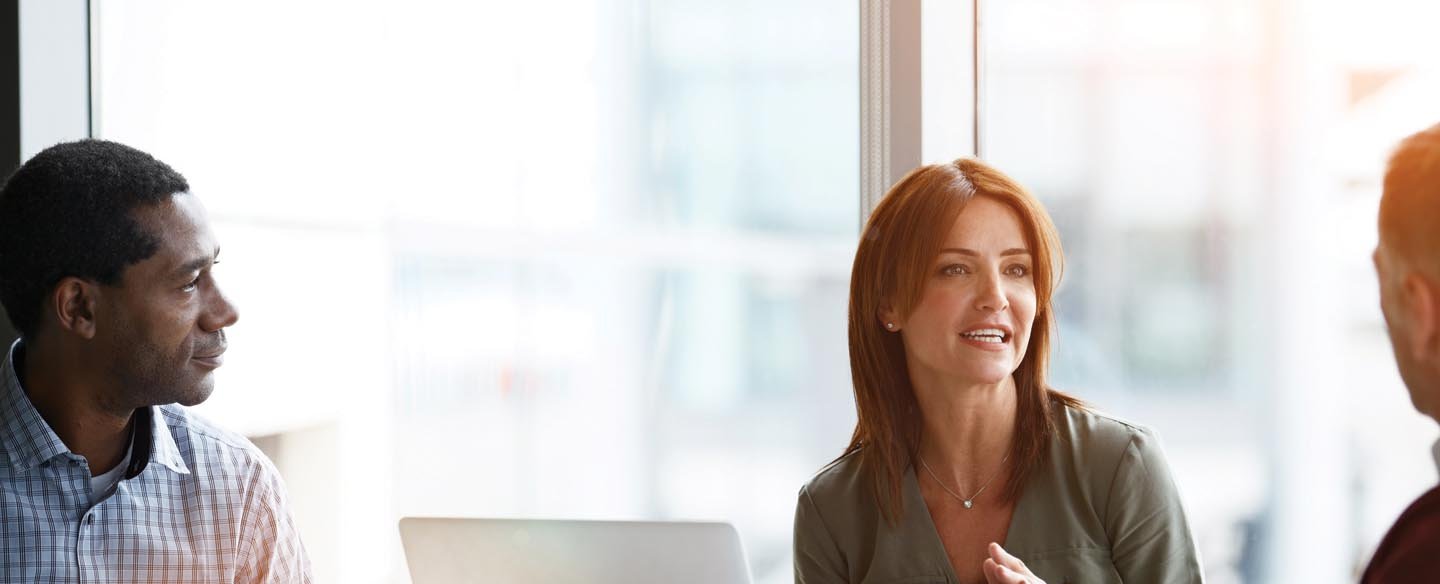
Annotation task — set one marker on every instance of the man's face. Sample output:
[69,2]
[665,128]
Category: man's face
[164,323]
[1392,271]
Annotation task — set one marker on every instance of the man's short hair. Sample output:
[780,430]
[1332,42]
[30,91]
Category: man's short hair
[67,212]
[1410,205]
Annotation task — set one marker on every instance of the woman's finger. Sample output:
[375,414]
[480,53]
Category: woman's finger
[998,574]
[1004,558]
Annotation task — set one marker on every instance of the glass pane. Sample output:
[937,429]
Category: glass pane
[1214,168]
[550,259]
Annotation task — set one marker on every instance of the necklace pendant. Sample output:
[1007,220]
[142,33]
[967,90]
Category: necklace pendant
[969,503]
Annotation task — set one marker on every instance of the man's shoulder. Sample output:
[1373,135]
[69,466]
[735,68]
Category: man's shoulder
[1407,554]
[201,441]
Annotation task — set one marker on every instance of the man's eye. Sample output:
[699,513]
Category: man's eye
[192,285]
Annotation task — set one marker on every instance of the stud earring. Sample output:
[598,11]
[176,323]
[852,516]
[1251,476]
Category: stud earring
[890,325]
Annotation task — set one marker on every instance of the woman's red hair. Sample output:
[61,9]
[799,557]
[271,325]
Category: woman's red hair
[901,240]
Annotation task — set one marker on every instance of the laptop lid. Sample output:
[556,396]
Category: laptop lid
[530,551]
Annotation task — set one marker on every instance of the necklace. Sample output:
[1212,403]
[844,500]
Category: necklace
[968,501]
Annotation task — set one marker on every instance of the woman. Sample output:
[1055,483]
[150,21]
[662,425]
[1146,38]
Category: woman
[960,443]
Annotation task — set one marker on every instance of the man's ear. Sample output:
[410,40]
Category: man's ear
[1422,297]
[74,302]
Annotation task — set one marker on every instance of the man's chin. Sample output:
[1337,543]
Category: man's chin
[198,395]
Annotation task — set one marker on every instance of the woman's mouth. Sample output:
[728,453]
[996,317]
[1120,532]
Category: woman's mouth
[986,335]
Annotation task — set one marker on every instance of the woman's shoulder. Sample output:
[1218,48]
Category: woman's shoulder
[838,501]
[1088,424]
[839,481]
[1096,442]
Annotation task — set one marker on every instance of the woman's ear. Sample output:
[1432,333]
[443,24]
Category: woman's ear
[74,302]
[889,319]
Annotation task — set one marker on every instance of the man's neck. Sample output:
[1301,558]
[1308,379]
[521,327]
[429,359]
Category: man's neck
[73,408]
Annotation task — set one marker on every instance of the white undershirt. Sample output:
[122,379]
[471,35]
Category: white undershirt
[103,484]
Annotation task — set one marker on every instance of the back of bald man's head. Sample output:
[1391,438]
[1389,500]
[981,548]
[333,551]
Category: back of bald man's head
[1410,205]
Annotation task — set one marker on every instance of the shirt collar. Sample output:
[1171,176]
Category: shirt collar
[29,441]
[158,444]
[1435,453]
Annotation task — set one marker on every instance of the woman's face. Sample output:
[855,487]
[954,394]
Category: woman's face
[972,324]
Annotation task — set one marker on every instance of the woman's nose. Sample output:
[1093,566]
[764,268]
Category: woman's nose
[992,295]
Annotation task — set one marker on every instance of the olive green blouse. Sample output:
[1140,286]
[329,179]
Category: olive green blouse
[1102,509]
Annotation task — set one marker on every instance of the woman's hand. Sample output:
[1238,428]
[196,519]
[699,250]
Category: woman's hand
[1003,568]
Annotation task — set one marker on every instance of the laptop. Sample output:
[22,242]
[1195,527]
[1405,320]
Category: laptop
[532,551]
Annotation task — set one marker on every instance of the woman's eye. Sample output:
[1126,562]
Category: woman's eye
[1018,271]
[954,270]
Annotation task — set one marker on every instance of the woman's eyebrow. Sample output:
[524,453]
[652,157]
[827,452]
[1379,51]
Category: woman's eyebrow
[970,252]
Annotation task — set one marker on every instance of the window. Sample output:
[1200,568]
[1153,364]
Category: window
[1214,169]
[495,262]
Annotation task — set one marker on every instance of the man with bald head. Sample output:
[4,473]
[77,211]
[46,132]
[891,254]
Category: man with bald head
[1407,261]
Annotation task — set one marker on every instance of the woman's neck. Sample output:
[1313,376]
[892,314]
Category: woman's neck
[967,429]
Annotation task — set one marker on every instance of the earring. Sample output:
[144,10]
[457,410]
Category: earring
[890,325]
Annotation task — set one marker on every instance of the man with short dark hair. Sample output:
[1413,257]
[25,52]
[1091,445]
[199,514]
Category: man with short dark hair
[1407,261]
[106,272]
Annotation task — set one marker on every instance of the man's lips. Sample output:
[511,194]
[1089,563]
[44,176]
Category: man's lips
[211,359]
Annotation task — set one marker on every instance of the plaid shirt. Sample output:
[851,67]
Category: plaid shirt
[197,504]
